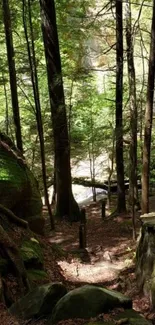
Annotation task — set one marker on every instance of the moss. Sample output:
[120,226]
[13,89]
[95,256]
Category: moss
[39,302]
[31,253]
[91,301]
[19,190]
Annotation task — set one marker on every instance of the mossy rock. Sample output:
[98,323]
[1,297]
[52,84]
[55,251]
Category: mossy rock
[31,253]
[86,302]
[19,190]
[39,302]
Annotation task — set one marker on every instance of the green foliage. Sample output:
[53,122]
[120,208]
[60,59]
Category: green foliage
[87,43]
[36,275]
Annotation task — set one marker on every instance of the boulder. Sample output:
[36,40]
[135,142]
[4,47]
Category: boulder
[128,317]
[145,257]
[39,302]
[86,302]
[31,253]
[19,191]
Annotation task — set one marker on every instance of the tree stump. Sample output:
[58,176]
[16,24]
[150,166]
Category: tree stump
[145,257]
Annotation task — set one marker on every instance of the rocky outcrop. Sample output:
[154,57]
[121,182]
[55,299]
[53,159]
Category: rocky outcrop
[19,190]
[145,257]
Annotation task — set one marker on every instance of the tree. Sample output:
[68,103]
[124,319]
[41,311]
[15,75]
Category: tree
[66,204]
[148,120]
[12,72]
[121,205]
[133,190]
[34,80]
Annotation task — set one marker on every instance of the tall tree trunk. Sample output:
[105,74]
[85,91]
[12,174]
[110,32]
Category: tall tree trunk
[121,204]
[34,79]
[12,72]
[66,204]
[6,106]
[148,120]
[133,189]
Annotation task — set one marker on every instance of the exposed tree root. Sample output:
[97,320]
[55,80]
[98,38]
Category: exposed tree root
[10,251]
[12,217]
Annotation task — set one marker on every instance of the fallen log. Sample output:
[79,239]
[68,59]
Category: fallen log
[97,184]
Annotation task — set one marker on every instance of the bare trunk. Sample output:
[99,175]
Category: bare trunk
[12,72]
[121,204]
[133,189]
[34,79]
[6,107]
[66,204]
[111,169]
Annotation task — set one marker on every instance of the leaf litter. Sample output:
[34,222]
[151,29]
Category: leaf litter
[109,245]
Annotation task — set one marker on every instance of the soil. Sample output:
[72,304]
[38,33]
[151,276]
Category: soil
[108,258]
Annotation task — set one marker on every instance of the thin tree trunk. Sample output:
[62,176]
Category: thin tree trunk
[6,107]
[92,155]
[34,79]
[92,170]
[141,100]
[111,169]
[148,120]
[66,204]
[54,186]
[12,72]
[121,204]
[133,189]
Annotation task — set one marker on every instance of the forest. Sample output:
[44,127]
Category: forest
[77,201]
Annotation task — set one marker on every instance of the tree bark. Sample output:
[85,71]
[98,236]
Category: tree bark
[34,79]
[12,72]
[66,204]
[148,120]
[133,189]
[121,204]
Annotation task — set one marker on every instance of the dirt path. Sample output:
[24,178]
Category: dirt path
[110,248]
[108,258]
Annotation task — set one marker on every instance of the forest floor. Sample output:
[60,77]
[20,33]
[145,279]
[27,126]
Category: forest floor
[109,257]
[108,260]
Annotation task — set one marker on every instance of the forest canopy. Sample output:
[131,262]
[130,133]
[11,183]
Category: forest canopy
[77,75]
